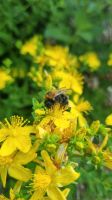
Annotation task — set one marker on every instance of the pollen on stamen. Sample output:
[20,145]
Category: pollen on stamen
[15,121]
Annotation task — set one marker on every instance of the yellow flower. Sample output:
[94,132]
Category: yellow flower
[59,121]
[91,59]
[55,118]
[77,110]
[70,81]
[4,78]
[108,120]
[31,46]
[50,179]
[14,135]
[109,63]
[57,57]
[64,128]
[12,165]
[84,106]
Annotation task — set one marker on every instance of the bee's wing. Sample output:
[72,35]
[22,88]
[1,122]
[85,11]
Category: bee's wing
[62,90]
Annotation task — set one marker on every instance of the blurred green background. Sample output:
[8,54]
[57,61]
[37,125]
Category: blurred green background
[84,26]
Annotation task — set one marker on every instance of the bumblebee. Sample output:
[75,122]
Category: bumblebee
[54,97]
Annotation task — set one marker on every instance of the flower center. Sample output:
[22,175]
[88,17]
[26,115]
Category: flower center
[41,181]
[14,122]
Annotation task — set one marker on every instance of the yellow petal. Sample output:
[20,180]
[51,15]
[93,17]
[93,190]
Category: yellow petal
[39,170]
[23,143]
[55,193]
[3,134]
[19,172]
[37,195]
[66,192]
[84,106]
[24,158]
[50,167]
[3,172]
[82,121]
[45,120]
[104,143]
[12,195]
[27,130]
[61,123]
[8,147]
[65,176]
[41,132]
[108,120]
[17,187]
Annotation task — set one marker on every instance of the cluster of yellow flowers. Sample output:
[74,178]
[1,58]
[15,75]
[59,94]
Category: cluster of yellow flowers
[56,61]
[59,57]
[40,157]
[17,150]
[21,143]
